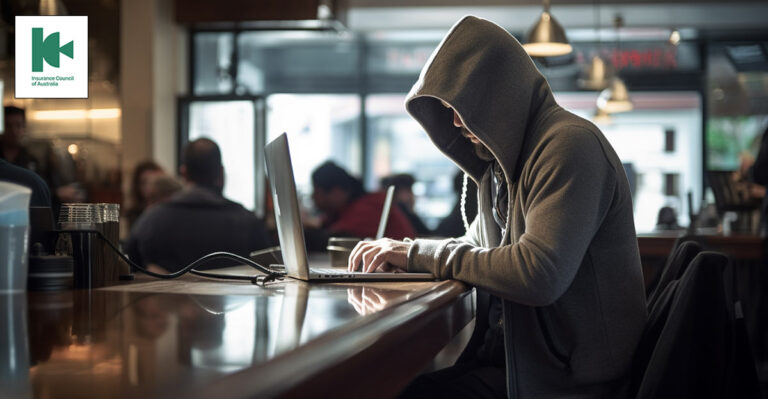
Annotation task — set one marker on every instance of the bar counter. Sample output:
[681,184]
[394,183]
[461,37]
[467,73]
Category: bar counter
[196,337]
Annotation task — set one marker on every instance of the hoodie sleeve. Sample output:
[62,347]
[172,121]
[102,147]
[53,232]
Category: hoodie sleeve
[569,188]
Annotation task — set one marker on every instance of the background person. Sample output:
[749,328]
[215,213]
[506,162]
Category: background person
[348,211]
[197,220]
[141,178]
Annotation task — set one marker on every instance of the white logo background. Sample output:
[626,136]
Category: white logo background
[70,29]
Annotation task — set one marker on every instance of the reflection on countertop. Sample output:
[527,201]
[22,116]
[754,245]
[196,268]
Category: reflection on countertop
[148,337]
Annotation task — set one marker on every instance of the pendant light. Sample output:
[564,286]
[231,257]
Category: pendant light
[602,118]
[615,98]
[674,37]
[598,75]
[547,37]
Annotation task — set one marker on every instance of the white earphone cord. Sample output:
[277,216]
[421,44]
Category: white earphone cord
[464,203]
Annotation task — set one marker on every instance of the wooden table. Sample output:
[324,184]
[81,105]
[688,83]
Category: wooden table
[656,247]
[737,246]
[201,338]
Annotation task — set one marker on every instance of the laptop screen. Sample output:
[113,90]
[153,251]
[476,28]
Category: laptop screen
[285,201]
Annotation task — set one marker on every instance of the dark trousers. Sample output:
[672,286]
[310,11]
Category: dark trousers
[460,381]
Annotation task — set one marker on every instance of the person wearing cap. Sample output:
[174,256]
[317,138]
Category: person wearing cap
[552,252]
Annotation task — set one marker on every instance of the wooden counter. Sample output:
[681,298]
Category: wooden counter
[200,338]
[745,247]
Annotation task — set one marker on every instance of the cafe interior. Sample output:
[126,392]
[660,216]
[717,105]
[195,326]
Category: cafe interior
[678,88]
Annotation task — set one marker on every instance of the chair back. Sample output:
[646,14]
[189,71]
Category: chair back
[678,261]
[685,348]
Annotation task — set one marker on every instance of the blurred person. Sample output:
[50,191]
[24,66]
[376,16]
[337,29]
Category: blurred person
[453,225]
[140,186]
[161,189]
[348,211]
[755,170]
[12,147]
[553,250]
[405,199]
[41,195]
[197,220]
[13,150]
[667,219]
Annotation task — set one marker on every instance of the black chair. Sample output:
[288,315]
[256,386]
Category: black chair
[678,261]
[690,346]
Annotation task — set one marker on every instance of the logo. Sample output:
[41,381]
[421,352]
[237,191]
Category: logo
[51,57]
[48,49]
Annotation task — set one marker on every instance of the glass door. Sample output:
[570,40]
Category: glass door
[237,125]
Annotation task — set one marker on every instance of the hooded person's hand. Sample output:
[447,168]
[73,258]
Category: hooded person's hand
[384,255]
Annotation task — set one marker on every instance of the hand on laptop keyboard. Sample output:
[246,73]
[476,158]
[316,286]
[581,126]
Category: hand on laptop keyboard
[382,255]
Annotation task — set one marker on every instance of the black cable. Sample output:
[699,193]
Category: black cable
[269,275]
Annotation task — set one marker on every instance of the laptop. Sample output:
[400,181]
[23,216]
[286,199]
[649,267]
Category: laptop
[289,227]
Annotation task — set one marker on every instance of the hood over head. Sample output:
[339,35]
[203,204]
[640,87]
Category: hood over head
[486,76]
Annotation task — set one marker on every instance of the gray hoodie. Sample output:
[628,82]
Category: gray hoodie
[567,266]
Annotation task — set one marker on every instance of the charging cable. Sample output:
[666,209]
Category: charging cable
[268,276]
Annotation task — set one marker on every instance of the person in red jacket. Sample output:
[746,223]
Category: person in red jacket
[348,211]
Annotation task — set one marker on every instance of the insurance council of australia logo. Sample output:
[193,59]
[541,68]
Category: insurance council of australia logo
[52,57]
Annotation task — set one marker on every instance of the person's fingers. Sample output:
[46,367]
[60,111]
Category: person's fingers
[384,256]
[378,261]
[356,256]
[387,268]
[351,265]
[368,256]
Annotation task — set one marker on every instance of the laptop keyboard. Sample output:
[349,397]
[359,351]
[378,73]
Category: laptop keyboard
[320,270]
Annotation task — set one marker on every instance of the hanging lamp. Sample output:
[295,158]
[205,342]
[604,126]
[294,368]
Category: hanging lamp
[615,98]
[547,37]
[598,75]
[674,37]
[601,117]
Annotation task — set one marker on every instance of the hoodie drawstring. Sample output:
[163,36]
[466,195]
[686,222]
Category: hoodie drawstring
[464,203]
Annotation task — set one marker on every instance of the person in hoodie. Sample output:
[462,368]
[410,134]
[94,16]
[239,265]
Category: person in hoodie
[197,220]
[552,252]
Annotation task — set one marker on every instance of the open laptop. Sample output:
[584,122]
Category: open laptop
[289,228]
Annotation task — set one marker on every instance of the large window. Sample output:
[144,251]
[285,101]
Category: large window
[319,128]
[231,124]
[659,144]
[737,107]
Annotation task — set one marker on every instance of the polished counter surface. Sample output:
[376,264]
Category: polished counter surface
[203,338]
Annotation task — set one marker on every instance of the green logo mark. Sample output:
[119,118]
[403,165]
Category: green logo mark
[48,49]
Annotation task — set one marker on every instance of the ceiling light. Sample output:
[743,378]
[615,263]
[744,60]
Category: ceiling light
[601,117]
[615,98]
[597,76]
[674,37]
[547,37]
[66,114]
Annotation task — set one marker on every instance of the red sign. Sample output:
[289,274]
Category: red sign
[652,58]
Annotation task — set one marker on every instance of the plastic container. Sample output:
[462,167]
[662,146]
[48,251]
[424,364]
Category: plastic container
[14,236]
